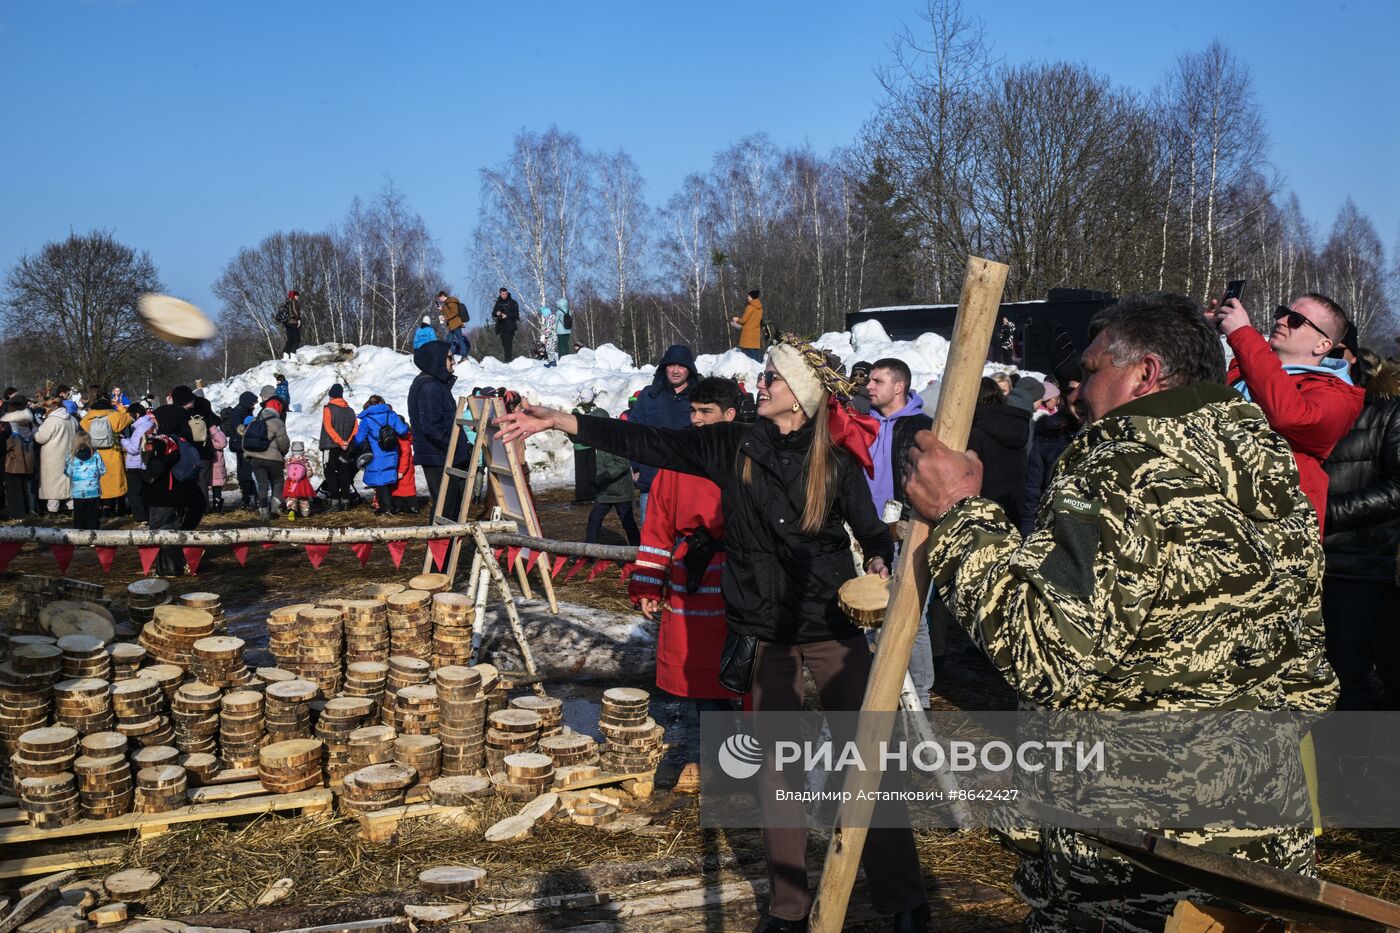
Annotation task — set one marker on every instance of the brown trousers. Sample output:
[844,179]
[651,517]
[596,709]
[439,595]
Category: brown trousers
[840,669]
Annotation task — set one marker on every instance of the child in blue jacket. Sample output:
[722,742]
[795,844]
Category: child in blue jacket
[85,470]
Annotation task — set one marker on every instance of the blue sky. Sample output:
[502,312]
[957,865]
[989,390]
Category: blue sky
[195,128]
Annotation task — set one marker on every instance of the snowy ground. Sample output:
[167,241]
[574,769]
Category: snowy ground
[607,371]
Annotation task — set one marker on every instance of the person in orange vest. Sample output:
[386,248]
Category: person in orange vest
[750,327]
[338,425]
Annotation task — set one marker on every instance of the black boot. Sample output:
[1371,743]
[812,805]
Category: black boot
[911,921]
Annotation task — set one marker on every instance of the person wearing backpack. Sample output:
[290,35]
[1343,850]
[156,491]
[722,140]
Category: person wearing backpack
[104,424]
[563,330]
[265,443]
[297,491]
[55,440]
[21,456]
[454,318]
[379,434]
[289,316]
[132,446]
[232,420]
[172,481]
[338,425]
[84,470]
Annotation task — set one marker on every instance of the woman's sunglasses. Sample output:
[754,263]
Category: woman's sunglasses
[1296,320]
[768,377]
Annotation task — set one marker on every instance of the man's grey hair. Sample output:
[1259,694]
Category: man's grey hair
[1168,326]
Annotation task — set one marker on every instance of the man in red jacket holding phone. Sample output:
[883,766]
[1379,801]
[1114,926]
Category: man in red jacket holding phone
[1307,397]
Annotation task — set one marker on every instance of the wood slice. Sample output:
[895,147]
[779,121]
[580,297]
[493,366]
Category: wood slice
[626,697]
[515,720]
[175,321]
[132,884]
[108,914]
[161,777]
[48,740]
[529,765]
[542,807]
[592,813]
[512,827]
[104,744]
[458,790]
[451,879]
[154,756]
[80,645]
[385,777]
[864,599]
[430,582]
[64,919]
[291,755]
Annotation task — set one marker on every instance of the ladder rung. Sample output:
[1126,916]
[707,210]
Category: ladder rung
[460,474]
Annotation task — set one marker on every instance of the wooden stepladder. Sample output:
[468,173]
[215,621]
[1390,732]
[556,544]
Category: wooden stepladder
[505,479]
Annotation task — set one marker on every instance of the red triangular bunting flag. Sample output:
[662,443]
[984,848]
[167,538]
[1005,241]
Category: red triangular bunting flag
[8,550]
[240,554]
[362,550]
[105,556]
[396,549]
[438,548]
[511,554]
[497,553]
[148,557]
[317,553]
[598,569]
[193,555]
[578,565]
[534,558]
[63,553]
[268,545]
[559,563]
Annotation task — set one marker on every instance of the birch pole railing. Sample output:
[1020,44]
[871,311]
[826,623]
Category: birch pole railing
[498,534]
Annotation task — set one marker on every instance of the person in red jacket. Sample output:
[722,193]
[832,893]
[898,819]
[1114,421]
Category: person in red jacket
[404,499]
[679,565]
[1307,398]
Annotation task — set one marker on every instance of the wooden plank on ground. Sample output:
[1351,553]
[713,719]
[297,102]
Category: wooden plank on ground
[317,799]
[44,864]
[216,792]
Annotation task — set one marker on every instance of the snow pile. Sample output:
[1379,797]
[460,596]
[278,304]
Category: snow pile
[607,371]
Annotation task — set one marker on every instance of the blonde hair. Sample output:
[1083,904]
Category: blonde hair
[820,468]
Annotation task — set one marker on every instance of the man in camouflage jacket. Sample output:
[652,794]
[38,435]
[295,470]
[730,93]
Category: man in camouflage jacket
[1174,565]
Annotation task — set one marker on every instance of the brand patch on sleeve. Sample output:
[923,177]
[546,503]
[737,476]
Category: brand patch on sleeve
[1076,504]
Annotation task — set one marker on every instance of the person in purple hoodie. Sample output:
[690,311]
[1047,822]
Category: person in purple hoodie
[135,466]
[900,413]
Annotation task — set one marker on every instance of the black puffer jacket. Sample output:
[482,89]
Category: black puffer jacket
[1049,438]
[1363,494]
[431,407]
[779,584]
[506,313]
[999,436]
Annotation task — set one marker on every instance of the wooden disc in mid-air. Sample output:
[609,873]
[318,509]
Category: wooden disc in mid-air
[864,599]
[175,321]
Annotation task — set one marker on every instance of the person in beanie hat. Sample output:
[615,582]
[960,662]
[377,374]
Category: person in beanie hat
[790,484]
[297,491]
[338,426]
[267,463]
[425,332]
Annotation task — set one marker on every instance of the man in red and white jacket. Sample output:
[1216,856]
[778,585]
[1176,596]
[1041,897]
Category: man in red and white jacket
[1307,398]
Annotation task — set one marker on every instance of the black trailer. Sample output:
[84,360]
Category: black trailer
[1035,323]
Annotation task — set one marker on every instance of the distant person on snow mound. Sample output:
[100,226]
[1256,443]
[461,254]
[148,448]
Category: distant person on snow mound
[289,316]
[425,333]
[506,315]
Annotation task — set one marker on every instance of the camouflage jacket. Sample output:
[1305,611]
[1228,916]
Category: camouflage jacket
[1174,564]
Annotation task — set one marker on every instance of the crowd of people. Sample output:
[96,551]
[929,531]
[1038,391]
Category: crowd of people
[1079,541]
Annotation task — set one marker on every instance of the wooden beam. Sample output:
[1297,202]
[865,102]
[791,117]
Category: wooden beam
[317,799]
[46,864]
[957,398]
[214,537]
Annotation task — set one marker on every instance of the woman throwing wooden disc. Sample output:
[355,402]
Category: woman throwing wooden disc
[788,482]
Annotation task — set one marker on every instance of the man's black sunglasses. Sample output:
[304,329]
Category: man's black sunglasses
[1296,320]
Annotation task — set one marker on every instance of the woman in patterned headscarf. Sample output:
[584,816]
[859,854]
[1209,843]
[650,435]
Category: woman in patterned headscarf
[789,484]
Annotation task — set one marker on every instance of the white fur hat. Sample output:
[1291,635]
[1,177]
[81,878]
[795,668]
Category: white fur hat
[792,366]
